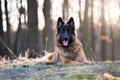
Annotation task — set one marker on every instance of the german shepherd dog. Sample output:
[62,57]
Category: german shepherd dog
[69,50]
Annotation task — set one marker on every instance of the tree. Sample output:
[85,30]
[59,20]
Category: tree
[92,24]
[1,25]
[103,31]
[85,25]
[92,31]
[33,33]
[20,42]
[48,30]
[65,10]
[7,36]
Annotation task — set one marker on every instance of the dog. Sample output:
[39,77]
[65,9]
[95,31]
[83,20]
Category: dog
[68,50]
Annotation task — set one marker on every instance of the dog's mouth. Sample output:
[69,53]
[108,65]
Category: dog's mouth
[65,43]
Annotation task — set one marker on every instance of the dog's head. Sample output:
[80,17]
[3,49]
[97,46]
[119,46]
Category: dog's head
[65,32]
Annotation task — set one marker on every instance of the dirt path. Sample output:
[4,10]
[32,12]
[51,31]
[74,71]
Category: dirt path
[12,70]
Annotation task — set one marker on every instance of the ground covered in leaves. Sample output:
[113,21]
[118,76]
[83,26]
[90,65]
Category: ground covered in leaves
[29,69]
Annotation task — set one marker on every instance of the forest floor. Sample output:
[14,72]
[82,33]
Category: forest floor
[28,69]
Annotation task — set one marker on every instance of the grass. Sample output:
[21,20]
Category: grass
[96,71]
[80,77]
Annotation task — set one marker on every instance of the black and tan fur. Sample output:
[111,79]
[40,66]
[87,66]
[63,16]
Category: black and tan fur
[70,53]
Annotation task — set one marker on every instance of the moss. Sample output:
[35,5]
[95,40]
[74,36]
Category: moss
[37,79]
[80,77]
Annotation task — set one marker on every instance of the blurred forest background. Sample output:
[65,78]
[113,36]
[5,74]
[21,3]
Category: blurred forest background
[30,25]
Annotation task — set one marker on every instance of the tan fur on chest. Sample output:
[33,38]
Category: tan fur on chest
[69,53]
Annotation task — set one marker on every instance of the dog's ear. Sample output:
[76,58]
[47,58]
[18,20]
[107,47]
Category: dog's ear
[71,21]
[59,23]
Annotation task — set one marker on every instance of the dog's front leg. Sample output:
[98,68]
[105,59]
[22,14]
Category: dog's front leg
[49,58]
[83,57]
[72,63]
[65,61]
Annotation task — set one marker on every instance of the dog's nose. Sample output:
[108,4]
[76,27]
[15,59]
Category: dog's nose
[66,37]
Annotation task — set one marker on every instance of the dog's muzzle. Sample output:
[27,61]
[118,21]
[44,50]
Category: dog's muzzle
[65,41]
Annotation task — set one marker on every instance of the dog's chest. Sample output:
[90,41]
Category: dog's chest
[68,54]
[71,55]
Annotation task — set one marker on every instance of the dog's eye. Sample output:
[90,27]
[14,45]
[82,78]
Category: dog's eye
[68,30]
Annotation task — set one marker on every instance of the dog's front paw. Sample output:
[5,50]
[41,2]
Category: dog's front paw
[88,62]
[77,63]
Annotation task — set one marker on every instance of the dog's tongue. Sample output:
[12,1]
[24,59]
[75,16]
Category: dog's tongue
[65,43]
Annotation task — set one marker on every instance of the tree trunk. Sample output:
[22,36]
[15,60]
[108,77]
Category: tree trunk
[33,33]
[85,24]
[18,42]
[7,35]
[113,43]
[5,51]
[1,25]
[79,30]
[92,25]
[20,36]
[65,10]
[103,31]
[92,31]
[48,30]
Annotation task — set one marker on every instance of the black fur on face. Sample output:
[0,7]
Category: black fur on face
[66,31]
